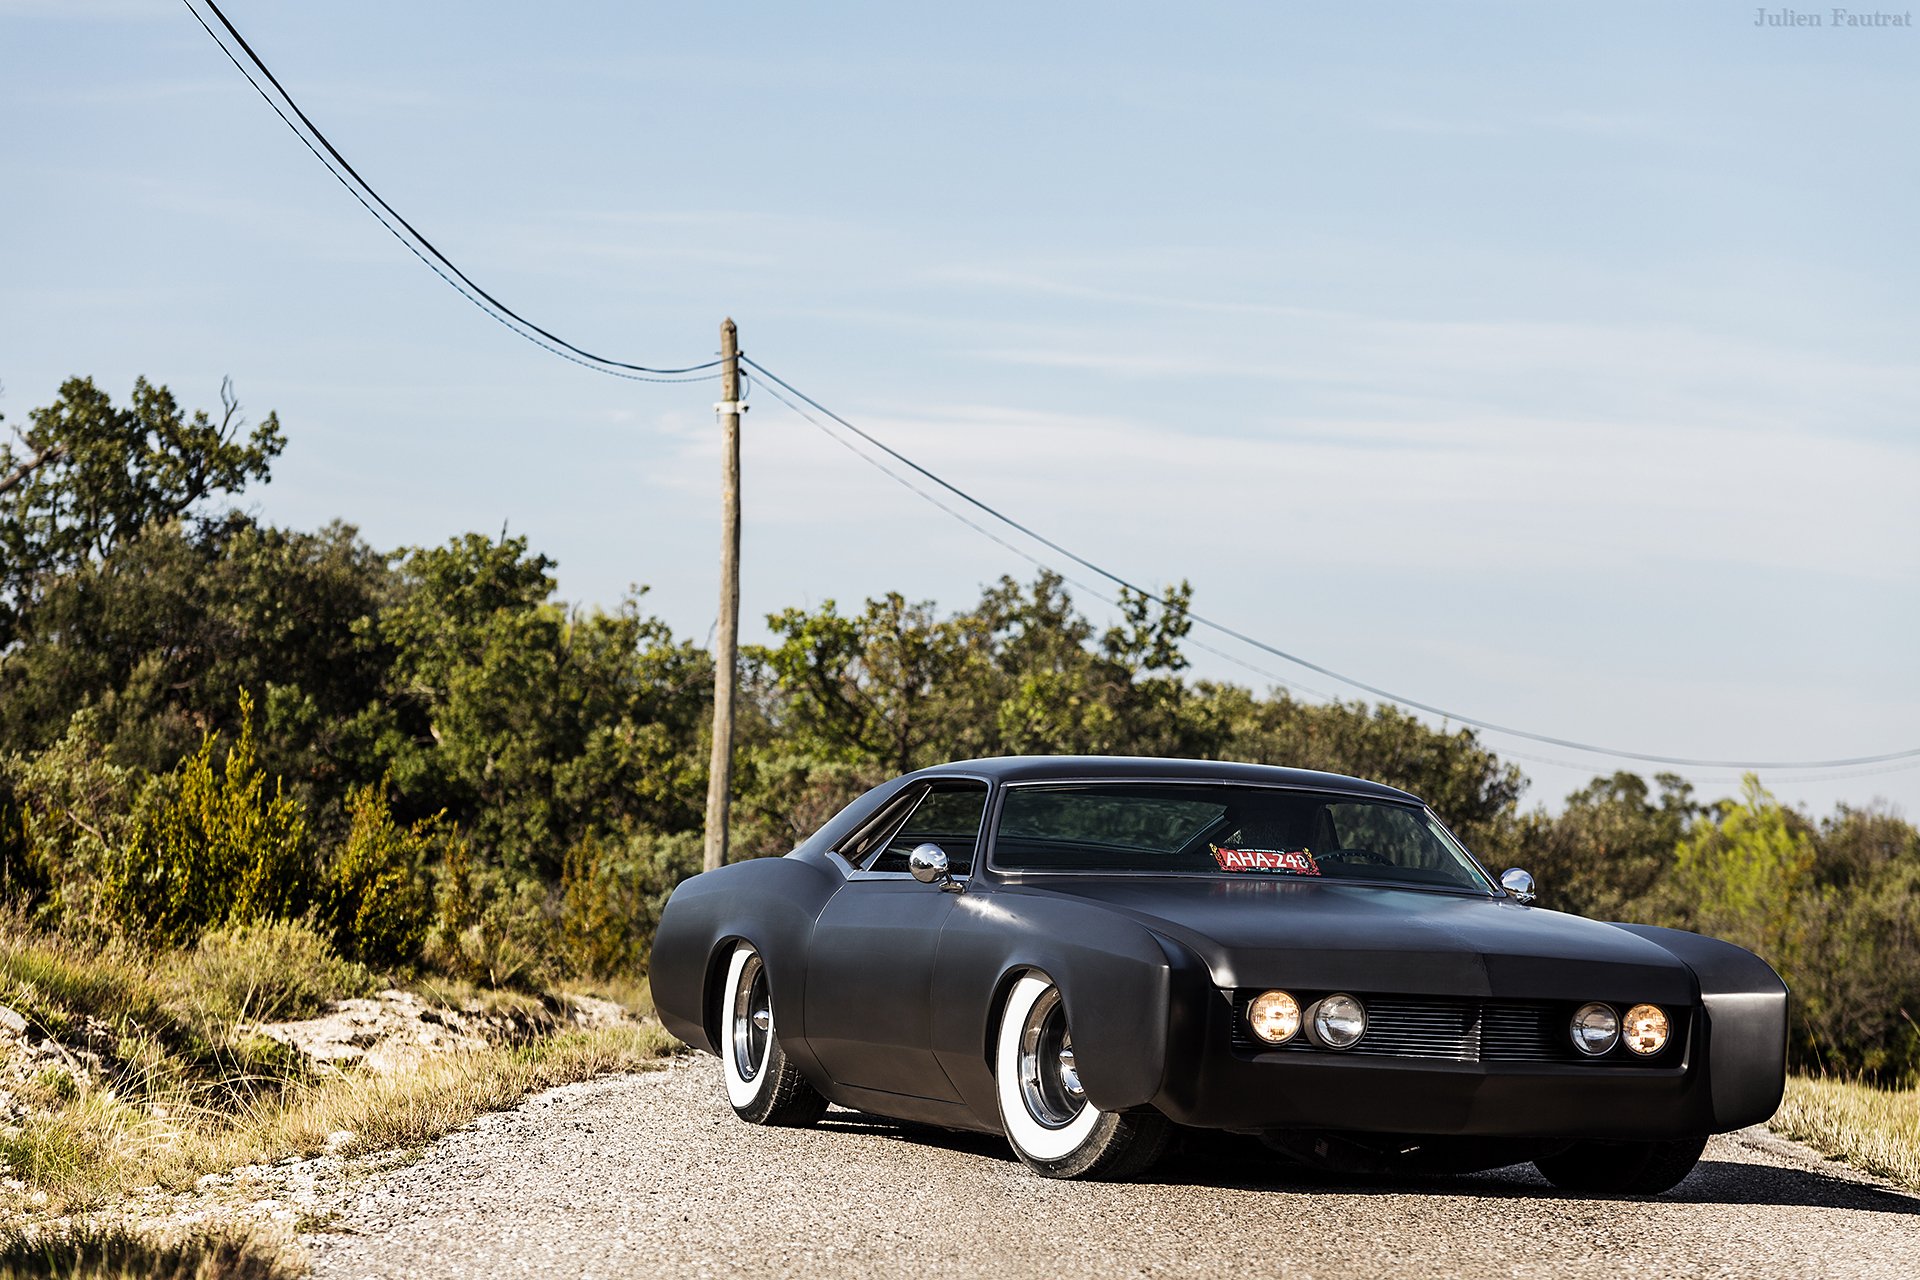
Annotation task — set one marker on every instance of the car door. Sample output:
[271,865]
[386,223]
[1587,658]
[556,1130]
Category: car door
[870,972]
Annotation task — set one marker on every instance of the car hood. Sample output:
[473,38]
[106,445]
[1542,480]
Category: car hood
[1324,935]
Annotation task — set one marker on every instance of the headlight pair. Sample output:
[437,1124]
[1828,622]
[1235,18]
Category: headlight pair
[1335,1022]
[1596,1028]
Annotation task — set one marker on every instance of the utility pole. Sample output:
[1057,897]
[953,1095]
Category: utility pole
[726,644]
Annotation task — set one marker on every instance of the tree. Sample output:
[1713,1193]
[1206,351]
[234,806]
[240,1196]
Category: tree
[1738,874]
[531,724]
[158,637]
[87,476]
[1610,851]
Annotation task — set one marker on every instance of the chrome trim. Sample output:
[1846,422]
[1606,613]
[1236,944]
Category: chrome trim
[1049,1076]
[752,1009]
[1518,884]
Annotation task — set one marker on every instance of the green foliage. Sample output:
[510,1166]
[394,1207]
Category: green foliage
[377,890]
[156,638]
[1739,877]
[1610,853]
[531,724]
[1466,783]
[210,845]
[899,688]
[612,890]
[67,811]
[273,971]
[88,476]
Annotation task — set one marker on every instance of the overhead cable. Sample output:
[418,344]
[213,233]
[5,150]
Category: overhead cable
[1645,757]
[421,247]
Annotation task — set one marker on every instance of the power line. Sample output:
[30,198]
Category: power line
[1291,686]
[449,272]
[441,265]
[1888,757]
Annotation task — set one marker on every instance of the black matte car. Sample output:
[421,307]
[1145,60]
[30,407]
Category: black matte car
[1083,953]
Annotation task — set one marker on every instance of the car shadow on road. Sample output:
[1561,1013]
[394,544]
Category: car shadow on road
[1230,1162]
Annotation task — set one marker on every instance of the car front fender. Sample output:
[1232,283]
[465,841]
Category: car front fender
[1125,989]
[1745,1035]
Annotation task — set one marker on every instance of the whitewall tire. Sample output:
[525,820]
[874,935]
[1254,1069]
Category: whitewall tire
[763,1086]
[1054,1130]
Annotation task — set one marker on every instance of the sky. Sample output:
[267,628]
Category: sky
[1553,364]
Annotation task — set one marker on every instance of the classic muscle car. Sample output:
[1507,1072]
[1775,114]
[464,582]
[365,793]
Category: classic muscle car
[1082,953]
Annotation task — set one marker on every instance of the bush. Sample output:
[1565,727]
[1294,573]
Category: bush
[208,847]
[378,896]
[612,892]
[268,972]
[65,814]
[491,929]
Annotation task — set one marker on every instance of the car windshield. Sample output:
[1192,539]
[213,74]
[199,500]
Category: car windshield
[1197,828]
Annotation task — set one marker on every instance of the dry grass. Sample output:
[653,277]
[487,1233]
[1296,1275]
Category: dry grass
[99,1146]
[118,1252]
[183,1090]
[1873,1129]
[414,1107]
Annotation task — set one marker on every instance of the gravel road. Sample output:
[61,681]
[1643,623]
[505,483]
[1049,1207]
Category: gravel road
[652,1175]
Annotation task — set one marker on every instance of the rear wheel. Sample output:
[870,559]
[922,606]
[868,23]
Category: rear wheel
[1622,1168]
[763,1086]
[1054,1130]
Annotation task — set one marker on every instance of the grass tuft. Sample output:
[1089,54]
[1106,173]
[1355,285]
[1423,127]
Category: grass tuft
[1873,1129]
[116,1252]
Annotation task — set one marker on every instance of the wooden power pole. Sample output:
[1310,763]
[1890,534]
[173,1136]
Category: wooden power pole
[726,643]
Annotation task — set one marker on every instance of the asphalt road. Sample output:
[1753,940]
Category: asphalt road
[653,1175]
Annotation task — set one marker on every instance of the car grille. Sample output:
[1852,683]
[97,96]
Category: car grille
[1451,1030]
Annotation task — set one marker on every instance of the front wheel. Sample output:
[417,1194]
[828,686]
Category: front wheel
[763,1086]
[1622,1168]
[1054,1130]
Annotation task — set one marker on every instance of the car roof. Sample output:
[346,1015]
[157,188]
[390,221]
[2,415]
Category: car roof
[1108,768]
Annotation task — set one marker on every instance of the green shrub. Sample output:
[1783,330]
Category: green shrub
[267,972]
[211,846]
[492,928]
[66,812]
[612,892]
[378,896]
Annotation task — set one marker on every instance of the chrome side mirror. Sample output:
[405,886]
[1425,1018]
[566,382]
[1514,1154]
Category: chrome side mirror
[1518,883]
[929,865]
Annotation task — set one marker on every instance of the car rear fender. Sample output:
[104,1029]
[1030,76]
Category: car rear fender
[769,902]
[1744,1039]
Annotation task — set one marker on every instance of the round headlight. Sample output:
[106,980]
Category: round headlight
[1274,1017]
[1339,1021]
[1646,1029]
[1595,1029]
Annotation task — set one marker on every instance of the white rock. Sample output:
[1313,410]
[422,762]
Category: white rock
[12,1023]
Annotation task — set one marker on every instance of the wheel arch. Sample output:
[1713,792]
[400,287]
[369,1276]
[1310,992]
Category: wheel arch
[1122,984]
[770,903]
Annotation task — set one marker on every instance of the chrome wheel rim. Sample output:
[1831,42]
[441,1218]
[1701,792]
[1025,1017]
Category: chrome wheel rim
[752,1019]
[1049,1073]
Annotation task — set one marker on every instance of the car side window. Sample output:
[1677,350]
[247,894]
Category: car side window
[1395,835]
[948,815]
[872,836]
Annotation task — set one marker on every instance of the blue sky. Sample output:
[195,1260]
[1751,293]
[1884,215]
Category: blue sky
[1550,362]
